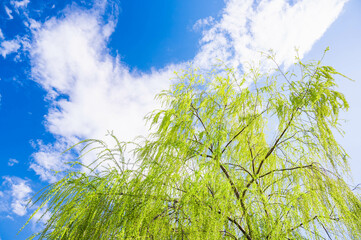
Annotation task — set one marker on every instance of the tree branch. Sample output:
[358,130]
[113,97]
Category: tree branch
[275,144]
[235,136]
[235,190]
[195,112]
[286,169]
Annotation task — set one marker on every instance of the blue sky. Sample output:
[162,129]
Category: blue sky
[71,70]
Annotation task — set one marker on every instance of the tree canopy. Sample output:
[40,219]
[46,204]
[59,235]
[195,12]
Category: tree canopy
[229,155]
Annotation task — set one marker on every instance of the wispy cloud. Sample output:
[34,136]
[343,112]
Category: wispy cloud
[22,3]
[91,91]
[12,162]
[8,47]
[8,12]
[50,158]
[40,218]
[70,58]
[249,27]
[17,193]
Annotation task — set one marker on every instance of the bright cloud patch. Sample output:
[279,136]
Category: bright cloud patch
[39,219]
[92,92]
[17,193]
[14,198]
[48,158]
[249,27]
[12,162]
[22,3]
[8,12]
[8,47]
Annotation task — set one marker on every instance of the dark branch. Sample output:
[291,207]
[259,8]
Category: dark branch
[235,136]
[286,169]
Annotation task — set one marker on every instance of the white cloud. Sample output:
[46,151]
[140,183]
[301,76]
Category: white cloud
[1,35]
[92,92]
[4,202]
[248,27]
[32,24]
[12,162]
[18,207]
[70,58]
[49,158]
[22,3]
[17,193]
[8,47]
[39,219]
[201,23]
[8,12]
[14,197]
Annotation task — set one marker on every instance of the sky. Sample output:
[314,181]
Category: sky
[71,70]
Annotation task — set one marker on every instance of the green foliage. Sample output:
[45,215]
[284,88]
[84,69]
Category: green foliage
[248,158]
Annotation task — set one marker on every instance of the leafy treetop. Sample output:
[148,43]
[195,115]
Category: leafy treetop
[252,157]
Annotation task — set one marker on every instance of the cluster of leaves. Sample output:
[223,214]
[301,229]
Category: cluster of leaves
[215,166]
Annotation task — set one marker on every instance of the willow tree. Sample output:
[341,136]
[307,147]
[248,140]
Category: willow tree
[239,156]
